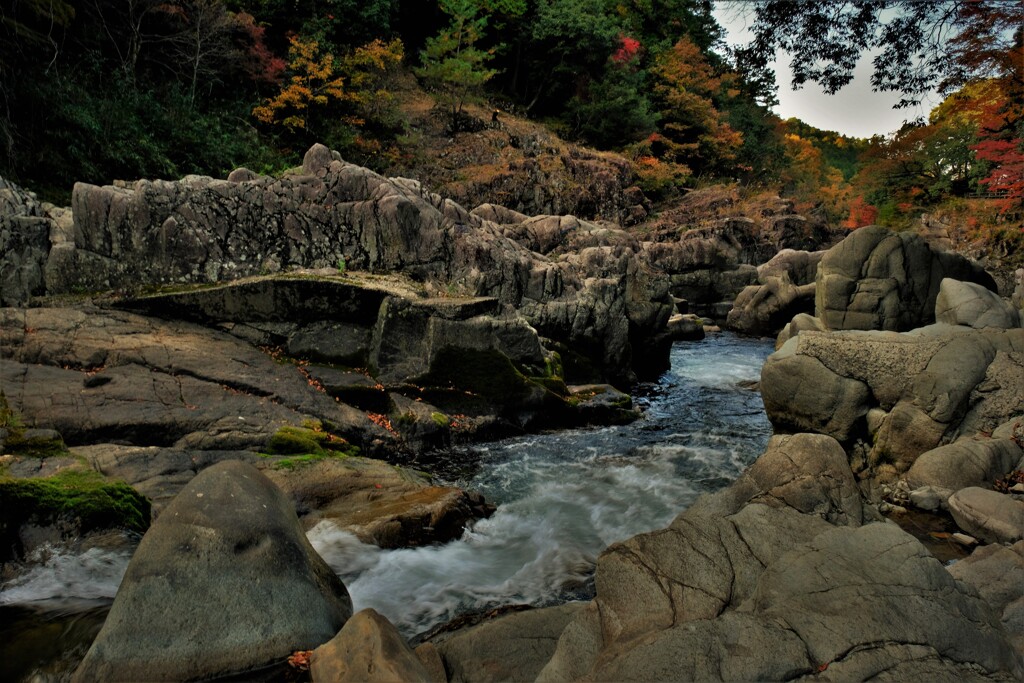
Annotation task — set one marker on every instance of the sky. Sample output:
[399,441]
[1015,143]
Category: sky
[855,110]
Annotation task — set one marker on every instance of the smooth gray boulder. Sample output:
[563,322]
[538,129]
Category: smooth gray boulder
[513,647]
[223,582]
[966,462]
[908,392]
[970,304]
[835,406]
[880,280]
[367,649]
[997,574]
[989,515]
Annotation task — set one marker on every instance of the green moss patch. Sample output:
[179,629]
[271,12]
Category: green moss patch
[307,444]
[82,495]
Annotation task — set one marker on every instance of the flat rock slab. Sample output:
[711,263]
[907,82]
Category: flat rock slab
[99,376]
[294,298]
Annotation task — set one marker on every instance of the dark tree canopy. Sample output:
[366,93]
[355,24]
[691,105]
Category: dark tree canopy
[919,46]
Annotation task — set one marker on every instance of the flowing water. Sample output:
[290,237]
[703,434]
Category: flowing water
[562,498]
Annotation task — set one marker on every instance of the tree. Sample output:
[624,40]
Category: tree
[691,128]
[612,110]
[452,62]
[203,43]
[921,46]
[314,86]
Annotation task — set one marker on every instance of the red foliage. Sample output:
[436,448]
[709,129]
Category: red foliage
[262,65]
[861,214]
[1007,176]
[629,48]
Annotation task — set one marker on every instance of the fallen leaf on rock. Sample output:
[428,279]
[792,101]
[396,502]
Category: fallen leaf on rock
[300,659]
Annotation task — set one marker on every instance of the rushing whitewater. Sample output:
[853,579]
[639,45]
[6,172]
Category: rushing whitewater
[563,497]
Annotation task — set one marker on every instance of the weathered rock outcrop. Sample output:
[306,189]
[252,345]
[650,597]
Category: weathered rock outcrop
[708,267]
[601,299]
[879,280]
[785,289]
[905,393]
[224,582]
[742,586]
[98,376]
[26,230]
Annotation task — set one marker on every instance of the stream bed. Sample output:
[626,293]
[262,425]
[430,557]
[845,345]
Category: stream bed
[562,498]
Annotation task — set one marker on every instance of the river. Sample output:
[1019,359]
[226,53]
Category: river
[562,498]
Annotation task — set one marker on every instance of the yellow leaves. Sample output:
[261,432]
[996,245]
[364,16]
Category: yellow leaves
[313,82]
[322,85]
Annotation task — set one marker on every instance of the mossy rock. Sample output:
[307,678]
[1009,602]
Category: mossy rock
[307,444]
[82,497]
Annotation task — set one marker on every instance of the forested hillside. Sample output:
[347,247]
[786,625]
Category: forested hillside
[97,90]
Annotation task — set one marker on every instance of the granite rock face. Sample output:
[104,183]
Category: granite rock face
[597,296]
[879,280]
[966,303]
[785,289]
[923,388]
[224,582]
[745,586]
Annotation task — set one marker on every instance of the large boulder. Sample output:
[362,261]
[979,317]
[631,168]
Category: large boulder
[967,303]
[880,280]
[922,389]
[770,594]
[966,462]
[835,407]
[224,582]
[989,515]
[368,649]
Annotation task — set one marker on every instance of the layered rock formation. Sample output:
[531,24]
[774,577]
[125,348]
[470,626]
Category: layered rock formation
[599,299]
[785,288]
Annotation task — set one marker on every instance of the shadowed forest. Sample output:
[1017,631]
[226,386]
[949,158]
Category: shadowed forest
[101,89]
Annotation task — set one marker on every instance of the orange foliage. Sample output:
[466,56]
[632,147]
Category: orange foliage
[314,84]
[861,214]
[692,129]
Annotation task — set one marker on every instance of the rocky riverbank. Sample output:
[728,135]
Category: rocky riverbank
[230,350]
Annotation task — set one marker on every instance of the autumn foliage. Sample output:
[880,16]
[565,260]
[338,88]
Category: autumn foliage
[313,87]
